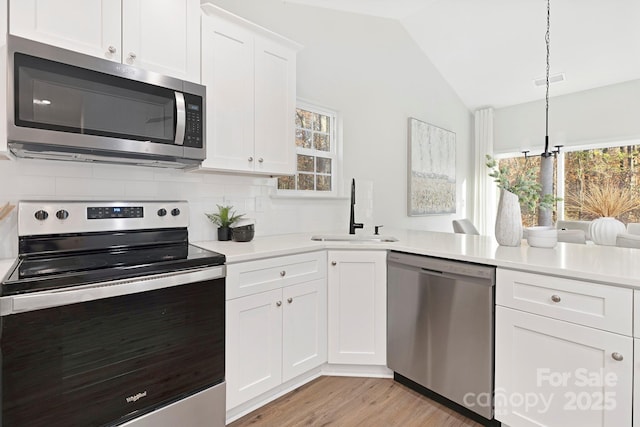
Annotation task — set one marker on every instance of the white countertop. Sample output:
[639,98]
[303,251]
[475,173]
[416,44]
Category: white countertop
[607,264]
[5,265]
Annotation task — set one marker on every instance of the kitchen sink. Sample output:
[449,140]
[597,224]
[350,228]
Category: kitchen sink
[371,238]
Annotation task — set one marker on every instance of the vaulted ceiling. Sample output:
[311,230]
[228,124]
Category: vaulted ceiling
[490,51]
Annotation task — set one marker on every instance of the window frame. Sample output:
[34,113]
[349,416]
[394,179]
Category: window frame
[335,154]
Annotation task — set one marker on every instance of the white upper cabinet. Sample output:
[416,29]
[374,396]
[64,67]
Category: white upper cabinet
[4,151]
[162,36]
[158,35]
[250,74]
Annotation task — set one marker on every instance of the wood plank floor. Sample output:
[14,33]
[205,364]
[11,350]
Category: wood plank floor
[348,401]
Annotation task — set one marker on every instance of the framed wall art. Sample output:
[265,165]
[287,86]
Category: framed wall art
[432,169]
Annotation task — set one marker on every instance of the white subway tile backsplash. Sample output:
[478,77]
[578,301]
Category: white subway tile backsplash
[90,188]
[40,179]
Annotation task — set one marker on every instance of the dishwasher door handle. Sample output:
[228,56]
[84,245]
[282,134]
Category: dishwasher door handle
[460,277]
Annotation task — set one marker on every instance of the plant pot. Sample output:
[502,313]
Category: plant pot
[224,234]
[605,230]
[509,220]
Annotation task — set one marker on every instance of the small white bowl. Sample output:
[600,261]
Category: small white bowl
[542,236]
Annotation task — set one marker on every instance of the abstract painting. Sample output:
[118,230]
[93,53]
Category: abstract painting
[432,169]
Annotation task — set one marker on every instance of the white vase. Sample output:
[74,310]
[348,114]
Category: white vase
[509,220]
[605,230]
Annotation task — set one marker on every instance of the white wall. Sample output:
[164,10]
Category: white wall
[372,72]
[600,115]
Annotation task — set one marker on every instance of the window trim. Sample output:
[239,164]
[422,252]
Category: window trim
[335,154]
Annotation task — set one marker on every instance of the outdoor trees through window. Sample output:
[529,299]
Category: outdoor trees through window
[315,151]
[604,176]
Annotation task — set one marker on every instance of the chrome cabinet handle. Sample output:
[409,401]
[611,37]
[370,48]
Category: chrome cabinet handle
[279,303]
[555,298]
[112,49]
[261,160]
[250,159]
[333,263]
[617,356]
[132,56]
[283,273]
[289,300]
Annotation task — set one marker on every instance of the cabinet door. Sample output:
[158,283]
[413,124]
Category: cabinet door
[227,71]
[357,307]
[304,328]
[555,373]
[253,346]
[162,36]
[275,97]
[86,26]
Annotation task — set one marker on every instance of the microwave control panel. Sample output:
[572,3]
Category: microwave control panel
[193,135]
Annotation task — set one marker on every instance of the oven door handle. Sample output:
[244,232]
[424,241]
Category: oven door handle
[56,298]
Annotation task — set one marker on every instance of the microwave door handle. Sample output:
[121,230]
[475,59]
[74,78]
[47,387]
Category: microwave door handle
[181,118]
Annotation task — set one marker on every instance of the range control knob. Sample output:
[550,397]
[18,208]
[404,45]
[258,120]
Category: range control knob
[62,214]
[41,215]
[175,211]
[162,212]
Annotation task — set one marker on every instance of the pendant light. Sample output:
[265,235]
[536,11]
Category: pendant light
[545,216]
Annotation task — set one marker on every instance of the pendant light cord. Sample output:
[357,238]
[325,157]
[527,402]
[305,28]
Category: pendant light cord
[547,41]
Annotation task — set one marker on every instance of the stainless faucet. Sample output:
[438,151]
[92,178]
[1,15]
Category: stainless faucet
[352,219]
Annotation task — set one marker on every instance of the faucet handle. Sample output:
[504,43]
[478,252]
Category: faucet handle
[376,227]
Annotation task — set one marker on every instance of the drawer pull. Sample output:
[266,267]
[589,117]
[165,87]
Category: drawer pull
[333,263]
[279,303]
[289,300]
[283,273]
[617,356]
[555,298]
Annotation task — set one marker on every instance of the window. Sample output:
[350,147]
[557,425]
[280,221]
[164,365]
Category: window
[580,172]
[316,153]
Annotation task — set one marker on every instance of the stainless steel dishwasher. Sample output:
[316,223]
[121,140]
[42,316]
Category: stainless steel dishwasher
[440,329]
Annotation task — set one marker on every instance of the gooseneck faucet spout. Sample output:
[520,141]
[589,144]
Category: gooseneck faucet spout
[352,218]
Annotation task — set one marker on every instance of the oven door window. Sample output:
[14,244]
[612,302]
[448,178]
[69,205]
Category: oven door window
[110,360]
[55,96]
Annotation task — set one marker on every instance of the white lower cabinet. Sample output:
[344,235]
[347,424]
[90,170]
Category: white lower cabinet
[275,335]
[551,372]
[357,307]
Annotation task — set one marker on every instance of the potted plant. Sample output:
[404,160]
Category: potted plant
[223,219]
[606,202]
[521,191]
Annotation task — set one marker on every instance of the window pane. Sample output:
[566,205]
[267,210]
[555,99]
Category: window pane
[602,182]
[305,181]
[287,183]
[303,138]
[321,142]
[322,123]
[305,163]
[304,119]
[323,183]
[323,165]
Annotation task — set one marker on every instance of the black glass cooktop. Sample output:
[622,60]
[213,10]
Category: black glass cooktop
[63,262]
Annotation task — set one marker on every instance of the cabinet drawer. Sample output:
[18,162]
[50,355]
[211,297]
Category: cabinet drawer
[247,278]
[590,304]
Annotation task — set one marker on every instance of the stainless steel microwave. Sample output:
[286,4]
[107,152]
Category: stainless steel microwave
[70,106]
